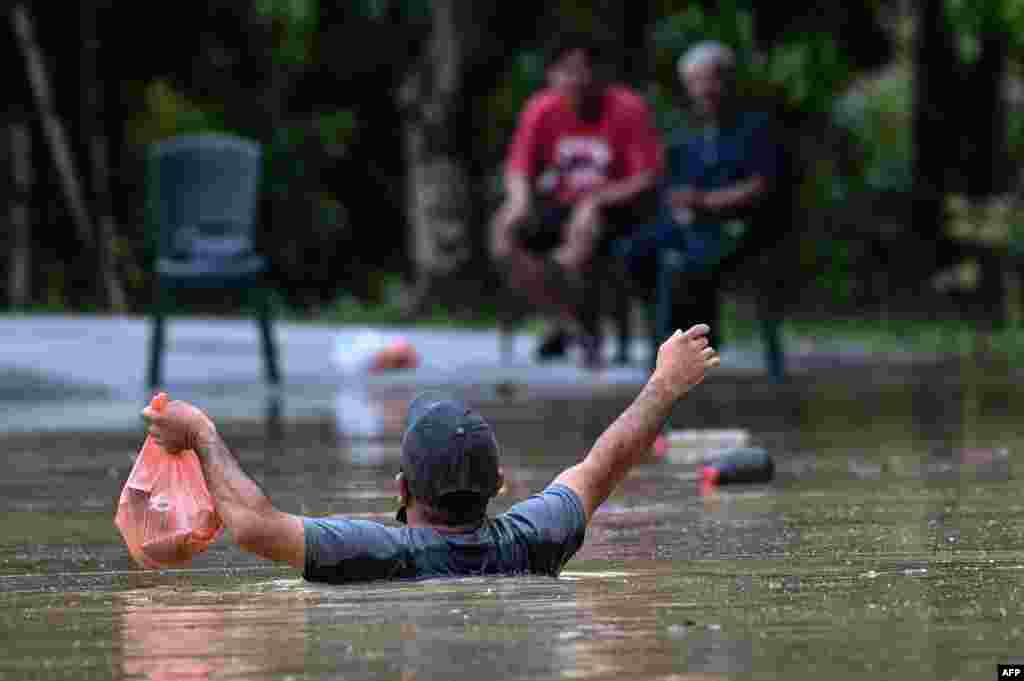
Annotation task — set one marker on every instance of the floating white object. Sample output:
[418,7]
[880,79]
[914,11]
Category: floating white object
[371,351]
[735,437]
[354,355]
[691,446]
[356,415]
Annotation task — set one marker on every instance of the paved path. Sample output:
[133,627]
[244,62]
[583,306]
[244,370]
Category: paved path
[88,373]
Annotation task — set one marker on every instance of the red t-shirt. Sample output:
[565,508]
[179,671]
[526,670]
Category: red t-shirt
[579,156]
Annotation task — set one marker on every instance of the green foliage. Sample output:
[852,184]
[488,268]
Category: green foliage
[309,224]
[944,337]
[299,148]
[377,10]
[993,221]
[386,309]
[878,115]
[167,112]
[971,20]
[295,23]
[1015,135]
[524,76]
[669,117]
[335,129]
[809,69]
[836,276]
[812,72]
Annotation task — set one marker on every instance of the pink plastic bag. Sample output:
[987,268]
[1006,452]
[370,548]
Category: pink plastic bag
[166,514]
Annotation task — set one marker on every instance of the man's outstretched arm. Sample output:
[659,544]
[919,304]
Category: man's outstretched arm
[682,361]
[255,524]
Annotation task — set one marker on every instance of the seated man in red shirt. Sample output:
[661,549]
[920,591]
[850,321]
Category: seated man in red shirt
[581,170]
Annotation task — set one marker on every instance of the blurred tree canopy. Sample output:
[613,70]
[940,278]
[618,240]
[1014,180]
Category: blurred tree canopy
[385,122]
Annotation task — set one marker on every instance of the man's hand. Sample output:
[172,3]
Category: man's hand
[178,426]
[513,211]
[683,359]
[581,234]
[509,216]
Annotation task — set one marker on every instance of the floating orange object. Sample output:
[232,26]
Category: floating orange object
[709,477]
[399,354]
[165,513]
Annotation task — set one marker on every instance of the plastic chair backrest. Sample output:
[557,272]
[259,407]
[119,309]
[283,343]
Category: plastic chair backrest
[203,195]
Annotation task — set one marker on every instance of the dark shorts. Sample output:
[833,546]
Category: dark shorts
[543,232]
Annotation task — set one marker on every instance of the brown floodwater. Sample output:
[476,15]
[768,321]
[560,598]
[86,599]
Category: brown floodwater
[890,546]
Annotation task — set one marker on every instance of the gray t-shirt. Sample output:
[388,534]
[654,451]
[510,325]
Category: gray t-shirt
[536,536]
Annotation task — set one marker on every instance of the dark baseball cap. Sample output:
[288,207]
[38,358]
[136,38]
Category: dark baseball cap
[448,448]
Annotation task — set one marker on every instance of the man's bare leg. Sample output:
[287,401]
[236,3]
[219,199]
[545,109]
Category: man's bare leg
[532,277]
[544,283]
[575,256]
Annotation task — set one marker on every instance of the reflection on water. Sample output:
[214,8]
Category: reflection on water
[586,626]
[889,546]
[165,637]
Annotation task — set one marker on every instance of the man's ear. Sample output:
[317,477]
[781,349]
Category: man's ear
[502,488]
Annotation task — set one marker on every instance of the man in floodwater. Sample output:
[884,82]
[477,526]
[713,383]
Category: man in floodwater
[449,474]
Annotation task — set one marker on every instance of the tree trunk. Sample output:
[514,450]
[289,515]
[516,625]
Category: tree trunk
[19,148]
[52,126]
[986,165]
[935,65]
[55,136]
[629,25]
[438,183]
[92,131]
[976,164]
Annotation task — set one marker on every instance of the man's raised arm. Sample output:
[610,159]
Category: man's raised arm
[256,526]
[682,361]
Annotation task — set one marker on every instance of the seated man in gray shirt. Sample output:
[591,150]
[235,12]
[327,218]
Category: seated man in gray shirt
[449,474]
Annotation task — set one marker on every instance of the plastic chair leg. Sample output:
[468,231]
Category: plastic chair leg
[623,317]
[156,339]
[506,340]
[771,337]
[508,322]
[670,267]
[681,301]
[654,333]
[269,345]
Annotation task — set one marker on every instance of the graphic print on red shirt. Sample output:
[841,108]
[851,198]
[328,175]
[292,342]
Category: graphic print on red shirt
[583,161]
[571,157]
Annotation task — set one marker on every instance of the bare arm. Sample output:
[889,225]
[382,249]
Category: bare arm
[738,197]
[513,211]
[729,200]
[624,191]
[682,361]
[517,190]
[256,526]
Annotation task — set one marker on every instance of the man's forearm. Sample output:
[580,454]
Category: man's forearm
[629,438]
[240,501]
[624,191]
[737,197]
[681,363]
[622,445]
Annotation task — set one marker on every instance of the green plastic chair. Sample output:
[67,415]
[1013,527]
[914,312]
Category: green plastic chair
[202,193]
